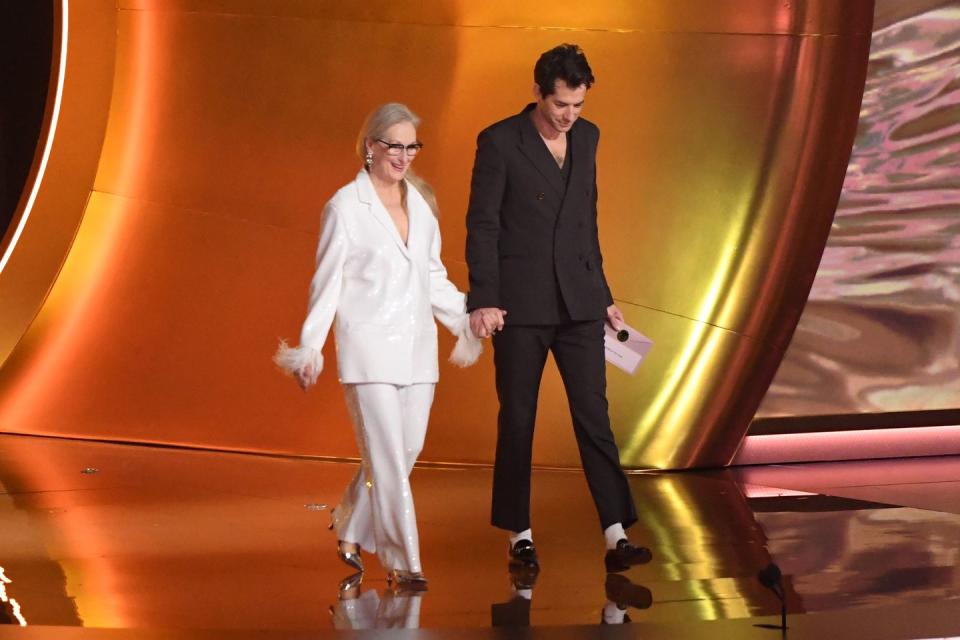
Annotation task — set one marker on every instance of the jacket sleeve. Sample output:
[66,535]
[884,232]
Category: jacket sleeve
[594,230]
[324,298]
[487,187]
[450,308]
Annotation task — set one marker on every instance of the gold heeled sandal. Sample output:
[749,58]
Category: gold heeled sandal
[347,586]
[407,580]
[350,558]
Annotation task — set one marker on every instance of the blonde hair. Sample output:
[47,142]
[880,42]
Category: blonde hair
[376,125]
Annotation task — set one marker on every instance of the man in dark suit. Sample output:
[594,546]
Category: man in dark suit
[537,285]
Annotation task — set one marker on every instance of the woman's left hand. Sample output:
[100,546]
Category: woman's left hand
[304,376]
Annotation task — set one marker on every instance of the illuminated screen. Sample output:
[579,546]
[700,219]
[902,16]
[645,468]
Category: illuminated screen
[881,330]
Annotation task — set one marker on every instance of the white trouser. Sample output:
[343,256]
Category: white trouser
[376,511]
[370,612]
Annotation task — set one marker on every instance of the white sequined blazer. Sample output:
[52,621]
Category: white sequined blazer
[382,294]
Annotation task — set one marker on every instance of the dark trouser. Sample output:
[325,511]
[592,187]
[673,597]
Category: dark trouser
[520,353]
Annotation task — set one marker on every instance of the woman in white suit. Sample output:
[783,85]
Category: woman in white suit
[379,278]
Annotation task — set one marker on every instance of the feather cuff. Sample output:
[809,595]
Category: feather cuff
[468,347]
[293,360]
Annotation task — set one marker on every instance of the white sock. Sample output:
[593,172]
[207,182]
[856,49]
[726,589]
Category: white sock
[613,534]
[526,534]
[613,614]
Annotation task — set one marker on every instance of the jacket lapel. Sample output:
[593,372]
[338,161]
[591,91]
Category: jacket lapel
[535,149]
[368,196]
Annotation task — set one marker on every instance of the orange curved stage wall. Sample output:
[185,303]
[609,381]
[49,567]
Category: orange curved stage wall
[172,237]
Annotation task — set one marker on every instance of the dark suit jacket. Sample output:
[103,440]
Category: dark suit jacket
[532,247]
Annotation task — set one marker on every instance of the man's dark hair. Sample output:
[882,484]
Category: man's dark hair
[565,62]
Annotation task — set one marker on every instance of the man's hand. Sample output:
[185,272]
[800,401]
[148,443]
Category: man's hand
[615,317]
[486,321]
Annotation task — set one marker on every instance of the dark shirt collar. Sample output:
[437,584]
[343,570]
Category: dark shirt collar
[528,111]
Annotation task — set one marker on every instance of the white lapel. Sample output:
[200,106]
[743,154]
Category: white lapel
[368,196]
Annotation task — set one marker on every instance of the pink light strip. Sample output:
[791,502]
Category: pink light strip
[849,445]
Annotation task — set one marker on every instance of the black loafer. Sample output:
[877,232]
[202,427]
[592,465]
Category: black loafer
[523,554]
[625,556]
[625,594]
[523,576]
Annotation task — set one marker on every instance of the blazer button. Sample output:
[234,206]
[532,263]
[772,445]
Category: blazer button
[541,196]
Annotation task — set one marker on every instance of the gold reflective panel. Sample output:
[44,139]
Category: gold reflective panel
[33,249]
[726,128]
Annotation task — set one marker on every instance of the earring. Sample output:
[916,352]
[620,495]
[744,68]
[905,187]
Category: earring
[368,159]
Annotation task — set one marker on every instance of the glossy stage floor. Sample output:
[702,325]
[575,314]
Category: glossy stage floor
[117,541]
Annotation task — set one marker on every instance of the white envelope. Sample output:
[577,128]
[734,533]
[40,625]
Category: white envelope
[625,355]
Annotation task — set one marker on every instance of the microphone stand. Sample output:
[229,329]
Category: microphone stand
[772,578]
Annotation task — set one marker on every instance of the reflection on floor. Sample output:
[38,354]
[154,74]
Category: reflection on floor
[126,537]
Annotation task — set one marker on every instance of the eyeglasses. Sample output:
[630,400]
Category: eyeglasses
[395,148]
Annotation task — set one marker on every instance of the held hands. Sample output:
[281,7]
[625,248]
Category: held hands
[486,321]
[615,317]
